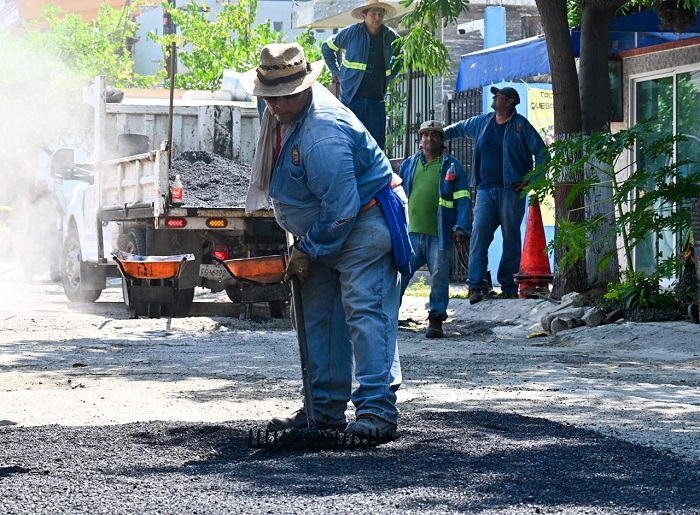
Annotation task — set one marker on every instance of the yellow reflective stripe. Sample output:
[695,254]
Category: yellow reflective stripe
[355,66]
[332,44]
[446,203]
[461,194]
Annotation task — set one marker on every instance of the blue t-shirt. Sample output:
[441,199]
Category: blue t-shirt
[491,162]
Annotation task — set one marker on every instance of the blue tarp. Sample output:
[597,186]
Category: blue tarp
[528,57]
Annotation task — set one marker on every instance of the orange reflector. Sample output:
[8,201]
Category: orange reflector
[175,223]
[216,223]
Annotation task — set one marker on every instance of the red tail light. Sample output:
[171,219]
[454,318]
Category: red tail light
[175,223]
[220,251]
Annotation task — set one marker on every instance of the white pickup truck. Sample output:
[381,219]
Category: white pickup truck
[125,200]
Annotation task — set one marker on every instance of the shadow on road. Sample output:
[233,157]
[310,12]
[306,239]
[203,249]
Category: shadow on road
[460,461]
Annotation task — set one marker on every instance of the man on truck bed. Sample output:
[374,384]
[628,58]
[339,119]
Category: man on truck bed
[368,65]
[327,179]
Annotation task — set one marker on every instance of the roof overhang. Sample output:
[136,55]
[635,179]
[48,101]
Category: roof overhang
[333,14]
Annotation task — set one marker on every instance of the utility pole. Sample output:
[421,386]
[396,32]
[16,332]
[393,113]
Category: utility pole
[170,28]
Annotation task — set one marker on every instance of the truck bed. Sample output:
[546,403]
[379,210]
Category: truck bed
[137,187]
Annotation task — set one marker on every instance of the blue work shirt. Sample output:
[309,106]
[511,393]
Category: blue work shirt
[354,41]
[454,203]
[521,142]
[328,168]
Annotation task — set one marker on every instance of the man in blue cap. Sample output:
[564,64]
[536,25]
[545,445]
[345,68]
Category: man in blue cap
[504,146]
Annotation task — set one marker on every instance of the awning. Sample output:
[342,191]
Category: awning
[528,57]
[523,58]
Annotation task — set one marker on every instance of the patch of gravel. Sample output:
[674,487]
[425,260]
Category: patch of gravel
[210,181]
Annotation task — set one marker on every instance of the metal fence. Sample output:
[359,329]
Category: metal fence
[465,104]
[421,108]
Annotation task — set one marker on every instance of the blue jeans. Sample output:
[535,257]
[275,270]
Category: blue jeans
[427,252]
[496,207]
[372,113]
[351,308]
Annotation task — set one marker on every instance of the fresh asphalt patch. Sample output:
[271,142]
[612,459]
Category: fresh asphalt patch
[444,462]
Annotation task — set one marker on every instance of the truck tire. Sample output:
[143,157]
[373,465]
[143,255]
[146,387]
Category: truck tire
[71,264]
[136,242]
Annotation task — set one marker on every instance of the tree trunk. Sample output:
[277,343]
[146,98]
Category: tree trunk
[565,88]
[595,106]
[567,121]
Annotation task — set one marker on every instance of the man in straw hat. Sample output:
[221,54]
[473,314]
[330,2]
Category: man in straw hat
[368,64]
[329,183]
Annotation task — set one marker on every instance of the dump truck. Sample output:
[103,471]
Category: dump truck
[125,203]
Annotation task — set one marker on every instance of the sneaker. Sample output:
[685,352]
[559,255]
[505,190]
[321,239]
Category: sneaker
[475,296]
[373,427]
[298,420]
[507,295]
[434,328]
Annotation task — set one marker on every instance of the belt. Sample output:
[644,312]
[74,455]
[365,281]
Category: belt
[395,181]
[369,204]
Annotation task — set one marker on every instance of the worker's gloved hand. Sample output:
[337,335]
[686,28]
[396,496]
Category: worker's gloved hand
[460,239]
[299,265]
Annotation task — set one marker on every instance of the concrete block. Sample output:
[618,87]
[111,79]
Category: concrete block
[573,299]
[546,320]
[593,317]
[562,324]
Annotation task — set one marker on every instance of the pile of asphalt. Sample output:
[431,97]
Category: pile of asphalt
[209,180]
[470,461]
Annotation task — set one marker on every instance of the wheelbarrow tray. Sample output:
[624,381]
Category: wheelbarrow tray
[263,269]
[152,267]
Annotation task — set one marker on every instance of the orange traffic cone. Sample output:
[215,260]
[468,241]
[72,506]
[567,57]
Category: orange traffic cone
[535,273]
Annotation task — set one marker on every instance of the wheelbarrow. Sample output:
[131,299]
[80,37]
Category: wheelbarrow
[151,284]
[261,279]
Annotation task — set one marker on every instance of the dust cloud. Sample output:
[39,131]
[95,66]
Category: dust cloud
[42,110]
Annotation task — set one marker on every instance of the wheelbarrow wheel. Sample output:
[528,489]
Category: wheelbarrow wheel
[234,293]
[277,308]
[154,310]
[182,307]
[133,309]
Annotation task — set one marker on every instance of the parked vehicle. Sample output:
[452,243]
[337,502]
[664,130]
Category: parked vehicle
[125,203]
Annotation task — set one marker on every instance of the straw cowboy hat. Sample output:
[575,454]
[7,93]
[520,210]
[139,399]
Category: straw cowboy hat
[390,10]
[283,70]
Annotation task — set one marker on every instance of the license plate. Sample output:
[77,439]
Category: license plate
[214,272]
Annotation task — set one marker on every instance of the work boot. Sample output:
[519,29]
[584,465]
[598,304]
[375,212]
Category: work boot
[373,427]
[434,328]
[298,420]
[475,295]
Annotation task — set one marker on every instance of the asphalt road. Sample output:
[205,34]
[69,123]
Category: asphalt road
[100,414]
